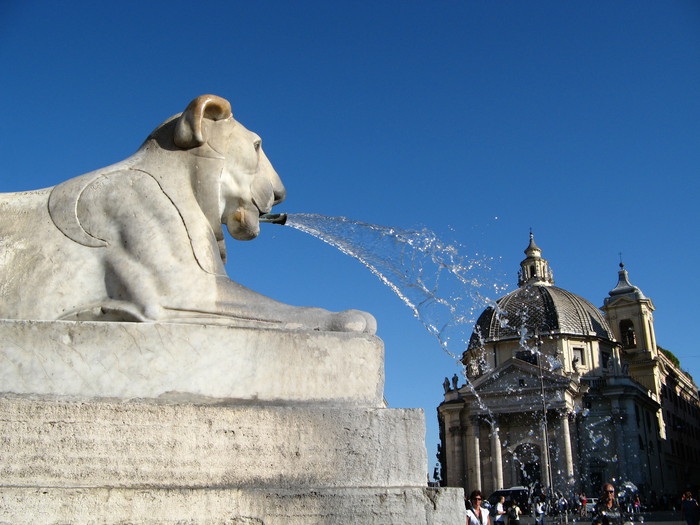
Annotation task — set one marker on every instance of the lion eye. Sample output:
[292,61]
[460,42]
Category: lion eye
[257,145]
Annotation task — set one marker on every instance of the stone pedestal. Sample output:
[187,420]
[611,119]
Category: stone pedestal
[115,423]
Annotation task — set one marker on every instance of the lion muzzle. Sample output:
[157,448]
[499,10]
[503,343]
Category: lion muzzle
[243,225]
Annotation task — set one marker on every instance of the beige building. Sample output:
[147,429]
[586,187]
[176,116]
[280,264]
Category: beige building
[562,396]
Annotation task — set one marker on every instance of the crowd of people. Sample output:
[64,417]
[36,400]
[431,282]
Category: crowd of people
[609,509]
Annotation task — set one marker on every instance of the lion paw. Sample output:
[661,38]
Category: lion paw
[354,321]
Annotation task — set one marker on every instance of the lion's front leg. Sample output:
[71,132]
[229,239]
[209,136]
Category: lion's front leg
[150,268]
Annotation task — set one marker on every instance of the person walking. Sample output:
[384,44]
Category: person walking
[637,505]
[500,513]
[476,515]
[689,509]
[607,510]
[539,512]
[514,513]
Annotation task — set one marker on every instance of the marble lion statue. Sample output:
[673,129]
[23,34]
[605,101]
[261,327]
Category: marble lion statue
[142,240]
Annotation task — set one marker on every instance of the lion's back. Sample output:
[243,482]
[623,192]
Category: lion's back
[22,216]
[38,266]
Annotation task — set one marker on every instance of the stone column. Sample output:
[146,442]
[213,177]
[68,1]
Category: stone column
[496,458]
[633,458]
[565,446]
[473,455]
[544,456]
[454,450]
[618,425]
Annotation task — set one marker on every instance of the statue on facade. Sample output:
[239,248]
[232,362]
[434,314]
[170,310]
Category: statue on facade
[142,240]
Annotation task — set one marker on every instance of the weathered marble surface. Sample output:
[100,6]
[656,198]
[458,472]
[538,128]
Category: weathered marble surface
[142,240]
[96,462]
[189,363]
[269,427]
[231,506]
[70,444]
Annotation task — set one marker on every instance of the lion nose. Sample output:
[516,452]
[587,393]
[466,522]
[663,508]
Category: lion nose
[279,191]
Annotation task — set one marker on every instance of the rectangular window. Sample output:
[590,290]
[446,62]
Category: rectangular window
[578,356]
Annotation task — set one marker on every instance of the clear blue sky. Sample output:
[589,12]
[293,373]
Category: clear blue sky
[479,120]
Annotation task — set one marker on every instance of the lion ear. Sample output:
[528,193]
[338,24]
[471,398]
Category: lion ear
[188,130]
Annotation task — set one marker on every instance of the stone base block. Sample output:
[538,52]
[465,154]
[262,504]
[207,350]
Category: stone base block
[342,506]
[70,444]
[174,424]
[188,362]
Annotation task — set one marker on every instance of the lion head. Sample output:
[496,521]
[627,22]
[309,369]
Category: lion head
[249,184]
[233,180]
[226,171]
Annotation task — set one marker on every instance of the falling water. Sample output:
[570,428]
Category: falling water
[444,287]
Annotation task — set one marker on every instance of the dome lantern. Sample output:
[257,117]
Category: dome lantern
[534,269]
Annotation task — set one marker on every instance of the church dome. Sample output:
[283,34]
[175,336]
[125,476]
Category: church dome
[538,307]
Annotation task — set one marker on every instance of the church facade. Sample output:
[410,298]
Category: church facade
[562,396]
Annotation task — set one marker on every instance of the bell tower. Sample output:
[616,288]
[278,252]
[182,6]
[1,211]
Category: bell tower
[630,316]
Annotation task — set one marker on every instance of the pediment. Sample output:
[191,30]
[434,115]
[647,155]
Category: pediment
[517,387]
[517,375]
[620,301]
[624,300]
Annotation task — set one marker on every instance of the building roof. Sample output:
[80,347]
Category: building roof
[538,307]
[624,288]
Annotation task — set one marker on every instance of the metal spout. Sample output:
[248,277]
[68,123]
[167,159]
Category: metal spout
[274,218]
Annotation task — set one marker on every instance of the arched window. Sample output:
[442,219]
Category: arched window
[629,339]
